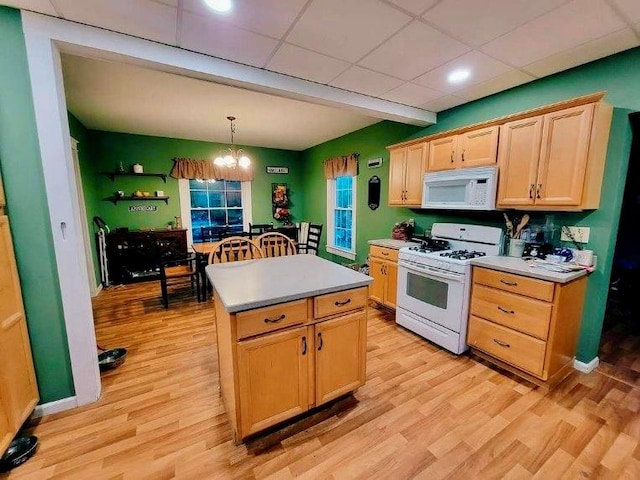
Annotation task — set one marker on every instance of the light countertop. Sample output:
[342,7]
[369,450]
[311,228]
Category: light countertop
[258,283]
[519,266]
[391,243]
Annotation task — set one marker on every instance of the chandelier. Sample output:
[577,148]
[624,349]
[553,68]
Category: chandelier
[233,157]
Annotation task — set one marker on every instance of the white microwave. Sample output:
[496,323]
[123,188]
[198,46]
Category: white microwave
[461,189]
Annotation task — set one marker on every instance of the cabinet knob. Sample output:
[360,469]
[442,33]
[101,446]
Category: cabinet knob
[462,155]
[342,304]
[304,345]
[538,190]
[533,185]
[320,341]
[501,343]
[502,309]
[451,156]
[511,284]
[275,320]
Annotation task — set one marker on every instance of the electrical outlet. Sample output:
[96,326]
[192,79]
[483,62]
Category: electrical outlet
[580,234]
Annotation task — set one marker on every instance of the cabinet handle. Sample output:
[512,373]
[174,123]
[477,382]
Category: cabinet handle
[511,284]
[505,310]
[342,304]
[502,344]
[304,345]
[533,185]
[275,320]
[451,156]
[386,254]
[462,155]
[538,190]
[320,342]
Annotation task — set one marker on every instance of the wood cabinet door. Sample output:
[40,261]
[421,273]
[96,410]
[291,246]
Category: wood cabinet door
[273,376]
[341,346]
[17,378]
[518,156]
[391,273]
[442,154]
[397,159]
[478,148]
[563,156]
[377,287]
[6,432]
[415,167]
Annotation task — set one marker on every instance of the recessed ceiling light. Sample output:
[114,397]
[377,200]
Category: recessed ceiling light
[221,6]
[458,76]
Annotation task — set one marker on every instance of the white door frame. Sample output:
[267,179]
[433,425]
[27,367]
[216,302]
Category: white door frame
[86,234]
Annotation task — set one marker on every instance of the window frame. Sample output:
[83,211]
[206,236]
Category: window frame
[185,206]
[331,203]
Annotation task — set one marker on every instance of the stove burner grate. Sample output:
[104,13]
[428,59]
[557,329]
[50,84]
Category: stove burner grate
[462,254]
[431,245]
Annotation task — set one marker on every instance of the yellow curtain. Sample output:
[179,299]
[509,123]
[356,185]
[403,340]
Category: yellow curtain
[190,168]
[346,166]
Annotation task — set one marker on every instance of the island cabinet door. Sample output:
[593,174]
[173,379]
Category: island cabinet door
[273,375]
[391,294]
[341,345]
[376,270]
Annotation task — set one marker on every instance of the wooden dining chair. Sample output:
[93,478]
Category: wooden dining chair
[274,244]
[234,249]
[178,268]
[312,242]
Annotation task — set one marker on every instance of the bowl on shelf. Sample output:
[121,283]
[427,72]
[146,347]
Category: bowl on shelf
[146,194]
[20,450]
[112,358]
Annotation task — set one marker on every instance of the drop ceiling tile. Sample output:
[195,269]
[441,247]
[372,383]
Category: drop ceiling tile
[629,8]
[268,17]
[361,80]
[415,6]
[415,50]
[502,82]
[222,40]
[140,18]
[305,64]
[566,27]
[41,6]
[477,22]
[411,94]
[585,53]
[443,103]
[480,66]
[346,29]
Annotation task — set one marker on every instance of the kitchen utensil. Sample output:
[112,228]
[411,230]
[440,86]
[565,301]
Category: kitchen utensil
[509,225]
[20,450]
[523,221]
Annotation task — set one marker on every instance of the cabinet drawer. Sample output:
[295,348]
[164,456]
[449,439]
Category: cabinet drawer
[512,347]
[524,314]
[334,303]
[531,287]
[382,252]
[274,317]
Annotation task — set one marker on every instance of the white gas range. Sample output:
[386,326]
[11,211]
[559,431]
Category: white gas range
[434,284]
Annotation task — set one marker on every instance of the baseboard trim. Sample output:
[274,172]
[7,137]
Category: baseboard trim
[55,407]
[586,367]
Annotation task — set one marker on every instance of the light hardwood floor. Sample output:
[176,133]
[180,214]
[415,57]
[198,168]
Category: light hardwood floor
[424,413]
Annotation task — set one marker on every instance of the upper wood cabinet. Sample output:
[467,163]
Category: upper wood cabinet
[474,148]
[406,167]
[554,161]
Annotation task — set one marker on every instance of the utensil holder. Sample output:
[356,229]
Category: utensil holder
[516,247]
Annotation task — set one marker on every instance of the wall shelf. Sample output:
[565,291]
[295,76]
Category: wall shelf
[113,175]
[115,199]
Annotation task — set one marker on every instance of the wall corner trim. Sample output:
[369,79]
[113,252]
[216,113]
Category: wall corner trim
[586,367]
[55,407]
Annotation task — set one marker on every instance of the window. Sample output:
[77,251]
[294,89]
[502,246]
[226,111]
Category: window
[341,217]
[214,203]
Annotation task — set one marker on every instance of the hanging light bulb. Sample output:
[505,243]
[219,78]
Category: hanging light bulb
[233,156]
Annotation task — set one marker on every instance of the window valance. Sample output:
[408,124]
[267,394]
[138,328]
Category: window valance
[191,169]
[345,166]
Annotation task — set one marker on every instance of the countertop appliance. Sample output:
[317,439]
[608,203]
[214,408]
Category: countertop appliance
[461,189]
[434,283]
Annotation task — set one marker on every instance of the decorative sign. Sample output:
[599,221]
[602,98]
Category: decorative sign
[284,170]
[374,162]
[280,202]
[143,208]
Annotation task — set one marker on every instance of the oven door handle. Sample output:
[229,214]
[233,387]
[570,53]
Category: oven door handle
[432,272]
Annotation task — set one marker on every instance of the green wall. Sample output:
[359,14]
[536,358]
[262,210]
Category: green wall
[619,75]
[29,214]
[155,154]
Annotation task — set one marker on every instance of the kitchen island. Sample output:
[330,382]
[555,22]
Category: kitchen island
[291,336]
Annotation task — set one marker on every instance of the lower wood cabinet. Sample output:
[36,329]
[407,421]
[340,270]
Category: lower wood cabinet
[526,325]
[18,390]
[383,267]
[307,353]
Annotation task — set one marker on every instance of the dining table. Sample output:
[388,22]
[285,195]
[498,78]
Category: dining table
[202,251]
